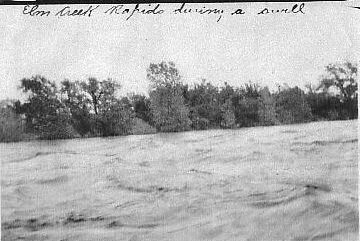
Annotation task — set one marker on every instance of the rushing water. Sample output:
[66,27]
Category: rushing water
[295,182]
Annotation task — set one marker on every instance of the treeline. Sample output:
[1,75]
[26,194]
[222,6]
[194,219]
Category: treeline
[93,108]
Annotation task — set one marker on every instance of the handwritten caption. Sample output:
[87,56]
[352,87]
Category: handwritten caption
[131,11]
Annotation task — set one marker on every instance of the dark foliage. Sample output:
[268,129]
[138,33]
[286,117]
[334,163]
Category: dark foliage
[291,106]
[340,82]
[168,109]
[11,124]
[267,108]
[45,114]
[141,106]
[92,107]
[205,107]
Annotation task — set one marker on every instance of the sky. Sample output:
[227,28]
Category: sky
[266,49]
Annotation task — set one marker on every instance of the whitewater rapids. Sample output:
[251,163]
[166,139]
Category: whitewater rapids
[294,182]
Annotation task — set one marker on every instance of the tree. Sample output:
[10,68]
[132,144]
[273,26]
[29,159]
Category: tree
[205,106]
[42,99]
[99,93]
[166,96]
[109,115]
[342,78]
[267,111]
[247,105]
[226,96]
[75,100]
[117,119]
[141,105]
[45,113]
[228,116]
[163,75]
[323,105]
[11,125]
[291,106]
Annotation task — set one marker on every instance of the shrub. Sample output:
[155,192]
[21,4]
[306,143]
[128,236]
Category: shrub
[140,127]
[116,120]
[11,125]
[228,116]
[247,112]
[167,103]
[291,106]
[200,123]
[266,112]
[168,110]
[56,127]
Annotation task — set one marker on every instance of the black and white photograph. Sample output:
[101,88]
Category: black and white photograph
[224,121]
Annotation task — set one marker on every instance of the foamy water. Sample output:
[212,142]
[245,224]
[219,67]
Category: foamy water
[295,182]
